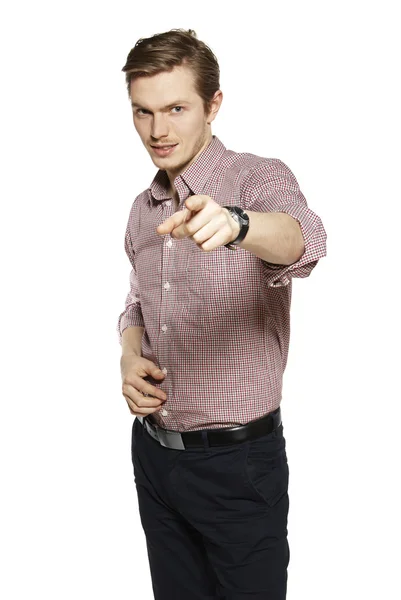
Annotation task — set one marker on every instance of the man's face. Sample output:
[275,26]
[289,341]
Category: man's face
[168,111]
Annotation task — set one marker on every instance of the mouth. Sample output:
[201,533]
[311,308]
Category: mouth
[164,150]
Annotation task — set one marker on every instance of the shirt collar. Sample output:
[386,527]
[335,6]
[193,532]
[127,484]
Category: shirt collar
[195,176]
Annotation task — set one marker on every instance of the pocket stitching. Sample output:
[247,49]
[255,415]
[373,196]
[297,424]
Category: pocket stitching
[251,486]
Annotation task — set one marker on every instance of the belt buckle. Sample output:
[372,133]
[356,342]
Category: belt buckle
[165,436]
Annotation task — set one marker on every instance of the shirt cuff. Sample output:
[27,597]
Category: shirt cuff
[315,247]
[131,317]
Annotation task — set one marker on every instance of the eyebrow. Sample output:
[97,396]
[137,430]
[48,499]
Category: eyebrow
[176,103]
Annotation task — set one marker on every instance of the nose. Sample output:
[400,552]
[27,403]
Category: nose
[159,127]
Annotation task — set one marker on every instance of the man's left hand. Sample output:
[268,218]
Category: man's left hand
[208,224]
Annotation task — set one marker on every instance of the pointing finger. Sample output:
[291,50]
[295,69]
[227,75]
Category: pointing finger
[174,221]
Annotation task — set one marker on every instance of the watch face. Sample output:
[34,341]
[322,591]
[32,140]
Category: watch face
[243,221]
[242,214]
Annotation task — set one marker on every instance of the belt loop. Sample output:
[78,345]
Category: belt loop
[205,439]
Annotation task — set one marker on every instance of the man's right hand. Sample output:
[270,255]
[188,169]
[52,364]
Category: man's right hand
[133,370]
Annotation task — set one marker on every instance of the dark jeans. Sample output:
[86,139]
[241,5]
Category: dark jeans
[215,519]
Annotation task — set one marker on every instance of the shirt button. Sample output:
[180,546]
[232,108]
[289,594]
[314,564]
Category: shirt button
[168,203]
[164,370]
[169,243]
[164,412]
[164,328]
[167,285]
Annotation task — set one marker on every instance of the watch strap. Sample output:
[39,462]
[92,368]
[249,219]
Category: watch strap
[244,226]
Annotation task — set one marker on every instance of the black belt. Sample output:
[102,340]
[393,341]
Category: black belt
[214,437]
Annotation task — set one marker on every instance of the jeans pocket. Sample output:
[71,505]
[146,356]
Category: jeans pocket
[266,468]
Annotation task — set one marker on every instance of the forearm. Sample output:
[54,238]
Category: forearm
[131,340]
[274,237]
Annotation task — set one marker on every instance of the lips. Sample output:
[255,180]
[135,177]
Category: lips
[164,150]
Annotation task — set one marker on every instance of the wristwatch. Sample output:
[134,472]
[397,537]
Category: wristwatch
[243,221]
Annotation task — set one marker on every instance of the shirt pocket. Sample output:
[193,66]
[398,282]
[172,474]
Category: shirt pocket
[211,285]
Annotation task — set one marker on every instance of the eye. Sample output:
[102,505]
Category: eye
[141,109]
[177,107]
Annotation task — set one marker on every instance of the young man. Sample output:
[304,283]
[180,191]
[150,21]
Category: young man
[213,244]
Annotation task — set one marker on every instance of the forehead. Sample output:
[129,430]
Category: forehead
[163,88]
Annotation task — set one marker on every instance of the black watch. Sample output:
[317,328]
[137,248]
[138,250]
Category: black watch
[243,221]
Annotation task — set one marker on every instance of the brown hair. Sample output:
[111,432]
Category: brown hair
[164,51]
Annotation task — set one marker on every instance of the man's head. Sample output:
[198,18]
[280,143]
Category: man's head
[173,84]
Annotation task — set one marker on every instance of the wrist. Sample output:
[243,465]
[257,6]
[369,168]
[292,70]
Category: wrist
[234,226]
[130,353]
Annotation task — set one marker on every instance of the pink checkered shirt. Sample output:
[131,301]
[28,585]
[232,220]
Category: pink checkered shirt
[217,323]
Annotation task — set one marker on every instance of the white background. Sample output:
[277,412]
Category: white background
[311,83]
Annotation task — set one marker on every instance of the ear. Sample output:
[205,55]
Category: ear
[215,106]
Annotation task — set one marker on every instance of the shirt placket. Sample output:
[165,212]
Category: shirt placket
[167,295]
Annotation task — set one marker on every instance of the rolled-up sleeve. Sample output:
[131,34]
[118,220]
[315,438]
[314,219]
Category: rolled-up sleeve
[272,187]
[132,313]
